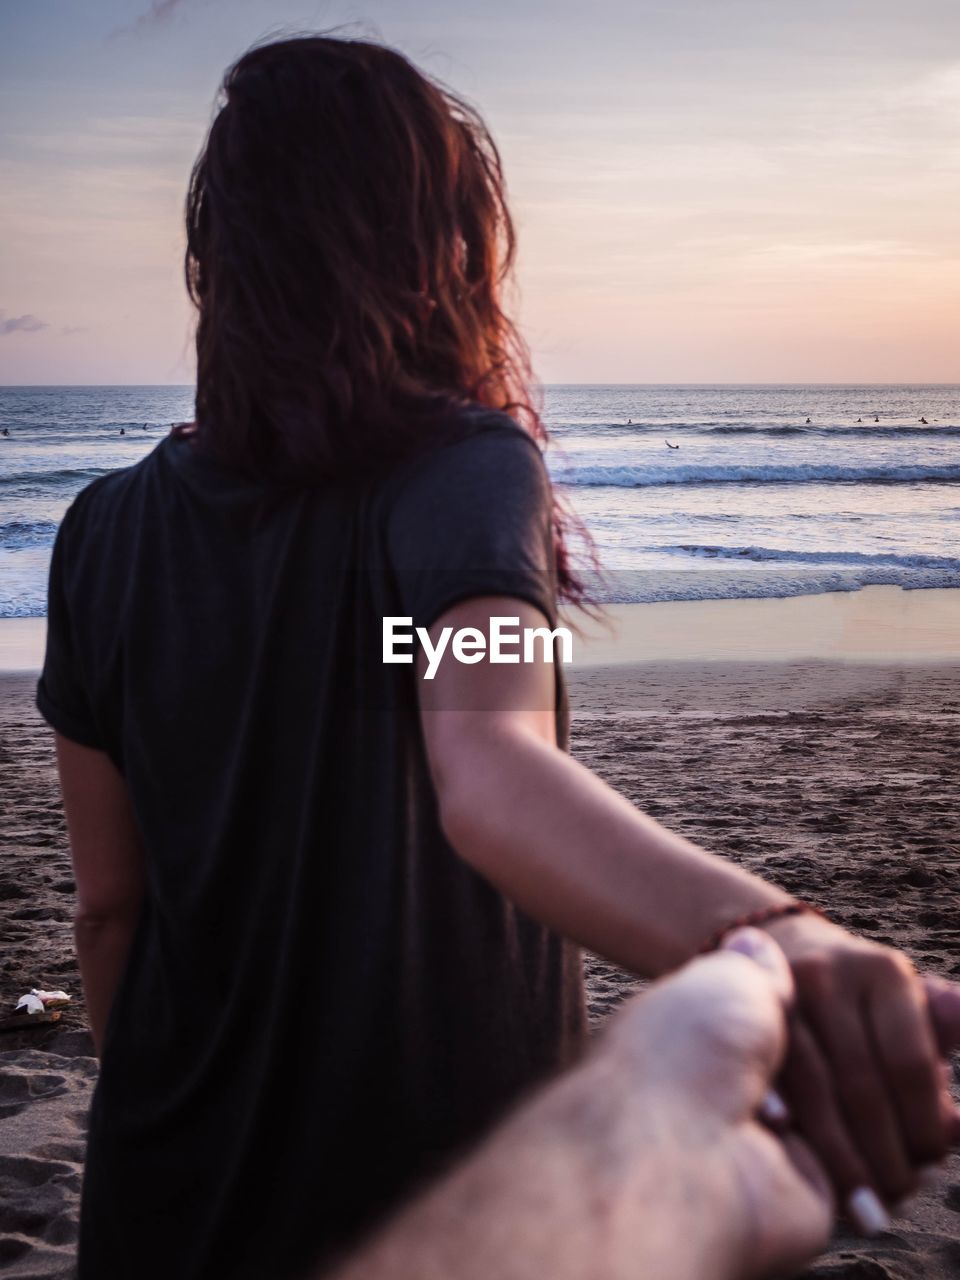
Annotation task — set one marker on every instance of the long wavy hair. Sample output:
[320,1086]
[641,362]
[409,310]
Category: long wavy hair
[348,244]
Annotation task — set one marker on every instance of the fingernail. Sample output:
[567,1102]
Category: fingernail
[763,951]
[869,1215]
[774,1110]
[748,941]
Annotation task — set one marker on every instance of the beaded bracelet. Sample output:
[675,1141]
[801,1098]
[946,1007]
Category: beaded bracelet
[758,918]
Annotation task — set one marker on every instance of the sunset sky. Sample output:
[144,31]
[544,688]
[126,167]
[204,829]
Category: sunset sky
[706,190]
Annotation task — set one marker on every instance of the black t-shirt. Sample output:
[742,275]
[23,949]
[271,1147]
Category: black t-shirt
[323,1003]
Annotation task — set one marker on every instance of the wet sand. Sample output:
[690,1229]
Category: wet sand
[836,779]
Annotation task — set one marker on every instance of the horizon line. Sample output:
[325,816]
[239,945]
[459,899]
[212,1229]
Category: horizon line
[786,382]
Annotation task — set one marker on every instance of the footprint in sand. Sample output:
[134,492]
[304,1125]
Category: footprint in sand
[18,1089]
[12,1249]
[21,1171]
[852,1268]
[79,1119]
[70,1151]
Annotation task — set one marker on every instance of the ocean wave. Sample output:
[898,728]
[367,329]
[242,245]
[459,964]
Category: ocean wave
[62,478]
[651,586]
[640,476]
[774,581]
[872,431]
[17,535]
[824,557]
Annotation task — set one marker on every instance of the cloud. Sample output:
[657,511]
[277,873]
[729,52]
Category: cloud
[939,89]
[70,329]
[20,324]
[157,11]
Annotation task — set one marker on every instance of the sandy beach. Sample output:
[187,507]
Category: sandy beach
[814,741]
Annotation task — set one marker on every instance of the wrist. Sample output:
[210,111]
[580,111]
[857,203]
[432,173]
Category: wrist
[810,925]
[768,917]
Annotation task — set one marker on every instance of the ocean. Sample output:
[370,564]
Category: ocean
[689,492]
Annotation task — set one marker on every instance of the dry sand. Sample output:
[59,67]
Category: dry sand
[836,779]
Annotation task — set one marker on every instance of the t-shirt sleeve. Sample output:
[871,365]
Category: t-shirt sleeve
[474,518]
[62,699]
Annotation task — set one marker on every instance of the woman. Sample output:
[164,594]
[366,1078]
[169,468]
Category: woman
[323,902]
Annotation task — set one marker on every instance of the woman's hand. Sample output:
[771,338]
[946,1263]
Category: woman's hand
[863,1076]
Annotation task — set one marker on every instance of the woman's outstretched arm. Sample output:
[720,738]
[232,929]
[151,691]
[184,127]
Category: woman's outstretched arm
[863,1073]
[555,839]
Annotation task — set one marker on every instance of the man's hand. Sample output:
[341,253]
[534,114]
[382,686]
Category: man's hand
[706,1044]
[647,1160]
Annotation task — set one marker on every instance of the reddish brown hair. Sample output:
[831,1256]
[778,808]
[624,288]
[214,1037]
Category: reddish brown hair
[348,240]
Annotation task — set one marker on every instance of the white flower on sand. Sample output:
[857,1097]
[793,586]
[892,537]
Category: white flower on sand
[29,1004]
[38,1001]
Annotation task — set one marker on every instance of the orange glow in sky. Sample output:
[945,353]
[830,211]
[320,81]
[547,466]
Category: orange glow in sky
[737,191]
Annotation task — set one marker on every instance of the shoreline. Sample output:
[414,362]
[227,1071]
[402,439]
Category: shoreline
[887,625]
